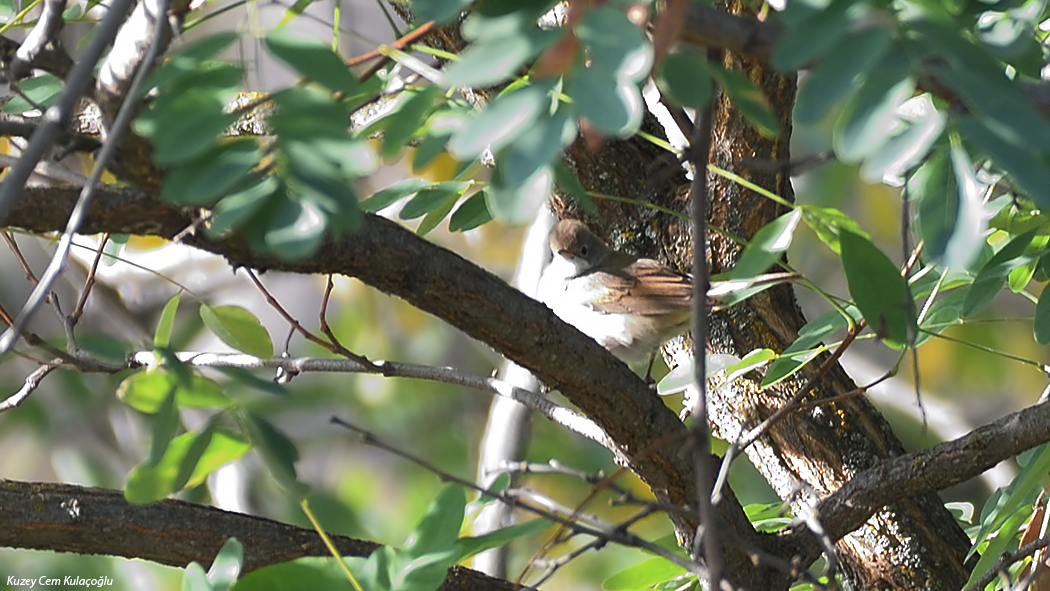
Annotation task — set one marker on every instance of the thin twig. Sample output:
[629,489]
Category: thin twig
[1007,559]
[89,282]
[700,155]
[332,346]
[32,382]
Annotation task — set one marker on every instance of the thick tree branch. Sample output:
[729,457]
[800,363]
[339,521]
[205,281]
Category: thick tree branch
[932,469]
[85,520]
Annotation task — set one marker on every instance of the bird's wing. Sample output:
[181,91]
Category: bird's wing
[647,288]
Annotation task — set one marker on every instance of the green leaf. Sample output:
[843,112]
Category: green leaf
[384,198]
[804,41]
[684,79]
[165,424]
[278,453]
[166,322]
[145,391]
[42,90]
[919,130]
[878,289]
[438,10]
[767,246]
[750,362]
[614,44]
[534,150]
[186,462]
[439,528]
[293,229]
[1041,323]
[307,114]
[405,121]
[501,122]
[1028,170]
[241,205]
[227,565]
[470,214]
[305,573]
[998,102]
[495,60]
[869,118]
[944,312]
[518,204]
[833,78]
[570,183]
[431,198]
[469,546]
[748,98]
[194,578]
[314,60]
[185,128]
[828,223]
[807,345]
[612,105]
[992,276]
[644,575]
[434,216]
[204,180]
[238,328]
[952,219]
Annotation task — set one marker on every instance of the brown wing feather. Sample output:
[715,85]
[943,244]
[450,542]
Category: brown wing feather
[647,288]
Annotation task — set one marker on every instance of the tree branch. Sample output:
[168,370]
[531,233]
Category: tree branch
[97,521]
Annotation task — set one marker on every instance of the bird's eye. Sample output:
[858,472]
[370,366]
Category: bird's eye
[584,250]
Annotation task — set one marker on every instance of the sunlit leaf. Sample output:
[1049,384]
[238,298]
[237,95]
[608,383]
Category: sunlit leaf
[238,328]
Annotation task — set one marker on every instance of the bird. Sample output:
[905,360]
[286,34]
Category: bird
[630,305]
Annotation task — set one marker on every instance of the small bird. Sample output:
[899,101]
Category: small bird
[630,305]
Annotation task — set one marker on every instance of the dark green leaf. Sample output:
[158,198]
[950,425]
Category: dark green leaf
[238,328]
[868,119]
[431,198]
[278,452]
[308,114]
[951,207]
[438,10]
[1030,171]
[828,84]
[805,41]
[241,204]
[293,229]
[470,214]
[535,149]
[306,573]
[314,60]
[1041,323]
[993,274]
[384,198]
[684,79]
[204,180]
[999,103]
[406,119]
[166,423]
[570,183]
[434,216]
[878,289]
[767,246]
